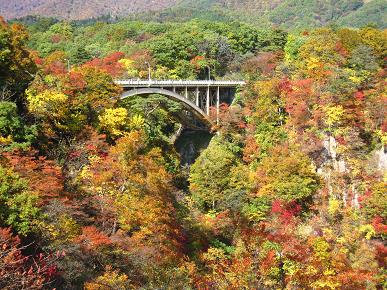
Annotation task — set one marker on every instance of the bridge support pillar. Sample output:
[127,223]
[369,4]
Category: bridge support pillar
[186,92]
[217,104]
[197,96]
[208,101]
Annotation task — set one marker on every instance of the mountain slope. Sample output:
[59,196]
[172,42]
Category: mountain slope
[372,12]
[284,13]
[79,9]
[293,14]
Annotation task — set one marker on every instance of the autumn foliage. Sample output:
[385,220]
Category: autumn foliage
[287,191]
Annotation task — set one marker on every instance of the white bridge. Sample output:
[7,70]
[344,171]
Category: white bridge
[197,96]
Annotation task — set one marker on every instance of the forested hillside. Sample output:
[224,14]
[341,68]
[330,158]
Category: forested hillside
[293,14]
[78,9]
[289,194]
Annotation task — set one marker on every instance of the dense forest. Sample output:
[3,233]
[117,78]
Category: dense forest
[292,14]
[289,194]
[283,13]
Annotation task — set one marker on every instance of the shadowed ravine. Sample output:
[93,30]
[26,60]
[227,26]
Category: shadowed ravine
[190,143]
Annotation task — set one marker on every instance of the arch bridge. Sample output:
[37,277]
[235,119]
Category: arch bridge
[197,97]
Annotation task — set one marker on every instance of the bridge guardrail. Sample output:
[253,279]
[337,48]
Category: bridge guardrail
[137,82]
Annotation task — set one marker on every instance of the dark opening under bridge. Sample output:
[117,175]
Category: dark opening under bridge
[197,96]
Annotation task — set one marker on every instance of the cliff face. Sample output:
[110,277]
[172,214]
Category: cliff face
[339,167]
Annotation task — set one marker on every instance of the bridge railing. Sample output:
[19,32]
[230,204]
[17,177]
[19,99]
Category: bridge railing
[161,83]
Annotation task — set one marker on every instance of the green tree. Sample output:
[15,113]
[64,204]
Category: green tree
[18,206]
[79,55]
[210,175]
[292,46]
[363,58]
[14,133]
[286,175]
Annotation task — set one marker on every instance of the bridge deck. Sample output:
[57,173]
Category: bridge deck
[131,83]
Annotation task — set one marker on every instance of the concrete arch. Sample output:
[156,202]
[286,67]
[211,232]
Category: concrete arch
[187,104]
